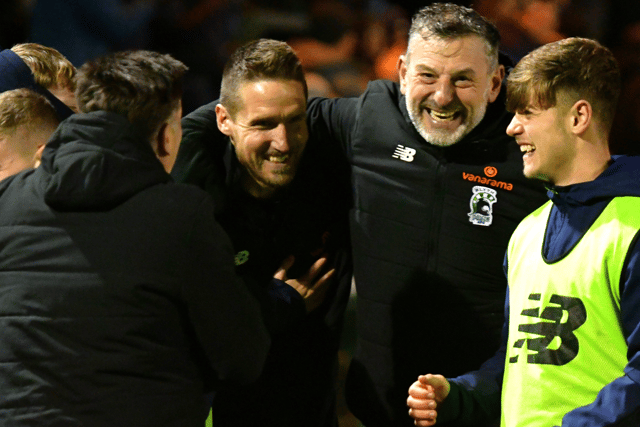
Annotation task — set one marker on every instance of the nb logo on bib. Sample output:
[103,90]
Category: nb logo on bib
[551,341]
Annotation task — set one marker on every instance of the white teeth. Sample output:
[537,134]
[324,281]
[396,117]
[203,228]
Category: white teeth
[278,159]
[442,116]
[527,148]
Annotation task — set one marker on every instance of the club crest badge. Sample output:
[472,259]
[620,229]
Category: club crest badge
[481,205]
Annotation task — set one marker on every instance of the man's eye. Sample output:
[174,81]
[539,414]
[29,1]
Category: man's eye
[263,125]
[463,82]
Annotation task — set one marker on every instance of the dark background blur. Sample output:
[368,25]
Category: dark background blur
[342,44]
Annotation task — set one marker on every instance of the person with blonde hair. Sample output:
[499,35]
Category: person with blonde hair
[27,120]
[51,70]
[43,70]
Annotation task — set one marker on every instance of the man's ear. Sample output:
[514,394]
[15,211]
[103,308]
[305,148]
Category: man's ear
[38,156]
[402,73]
[162,141]
[496,83]
[223,120]
[580,116]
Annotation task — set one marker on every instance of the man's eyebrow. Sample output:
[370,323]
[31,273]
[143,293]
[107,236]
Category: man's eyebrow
[423,67]
[465,72]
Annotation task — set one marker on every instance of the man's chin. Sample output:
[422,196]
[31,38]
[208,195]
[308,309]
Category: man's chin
[441,138]
[279,181]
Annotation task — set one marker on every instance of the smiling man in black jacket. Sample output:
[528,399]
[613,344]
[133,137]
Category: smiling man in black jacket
[438,189]
[275,195]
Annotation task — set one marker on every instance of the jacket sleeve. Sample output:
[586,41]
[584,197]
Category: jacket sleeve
[618,403]
[226,318]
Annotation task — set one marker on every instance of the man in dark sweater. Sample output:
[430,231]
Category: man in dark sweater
[276,195]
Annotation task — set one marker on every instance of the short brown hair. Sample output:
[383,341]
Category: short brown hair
[263,59]
[143,86]
[24,107]
[49,67]
[578,67]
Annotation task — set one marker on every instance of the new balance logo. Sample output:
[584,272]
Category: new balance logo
[241,257]
[557,345]
[404,153]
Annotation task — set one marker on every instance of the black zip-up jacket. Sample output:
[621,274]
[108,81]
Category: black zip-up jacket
[429,229]
[118,298]
[298,384]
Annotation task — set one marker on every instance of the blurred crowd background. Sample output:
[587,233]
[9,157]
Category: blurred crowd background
[342,43]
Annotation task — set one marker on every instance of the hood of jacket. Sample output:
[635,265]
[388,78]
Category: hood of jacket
[96,161]
[577,206]
[620,179]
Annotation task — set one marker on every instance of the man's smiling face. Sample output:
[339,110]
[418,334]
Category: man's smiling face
[269,133]
[448,84]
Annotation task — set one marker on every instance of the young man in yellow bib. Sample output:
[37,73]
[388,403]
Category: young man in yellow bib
[571,343]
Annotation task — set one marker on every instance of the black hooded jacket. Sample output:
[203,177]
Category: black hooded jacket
[119,305]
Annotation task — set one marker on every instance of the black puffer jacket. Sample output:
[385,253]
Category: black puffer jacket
[117,290]
[429,230]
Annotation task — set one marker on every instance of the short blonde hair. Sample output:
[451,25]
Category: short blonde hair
[49,67]
[24,107]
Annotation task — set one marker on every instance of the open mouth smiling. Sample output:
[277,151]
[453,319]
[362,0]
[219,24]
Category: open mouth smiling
[442,116]
[278,158]
[525,148]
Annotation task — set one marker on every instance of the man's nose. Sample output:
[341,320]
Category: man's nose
[515,127]
[444,93]
[280,138]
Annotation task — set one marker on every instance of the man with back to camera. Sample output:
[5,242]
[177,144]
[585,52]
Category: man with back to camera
[119,303]
[570,354]
[275,195]
[437,192]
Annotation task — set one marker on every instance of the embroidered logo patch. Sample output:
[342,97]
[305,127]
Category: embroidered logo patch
[241,257]
[404,153]
[481,205]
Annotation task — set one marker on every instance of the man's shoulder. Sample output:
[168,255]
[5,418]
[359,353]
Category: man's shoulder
[382,90]
[383,86]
